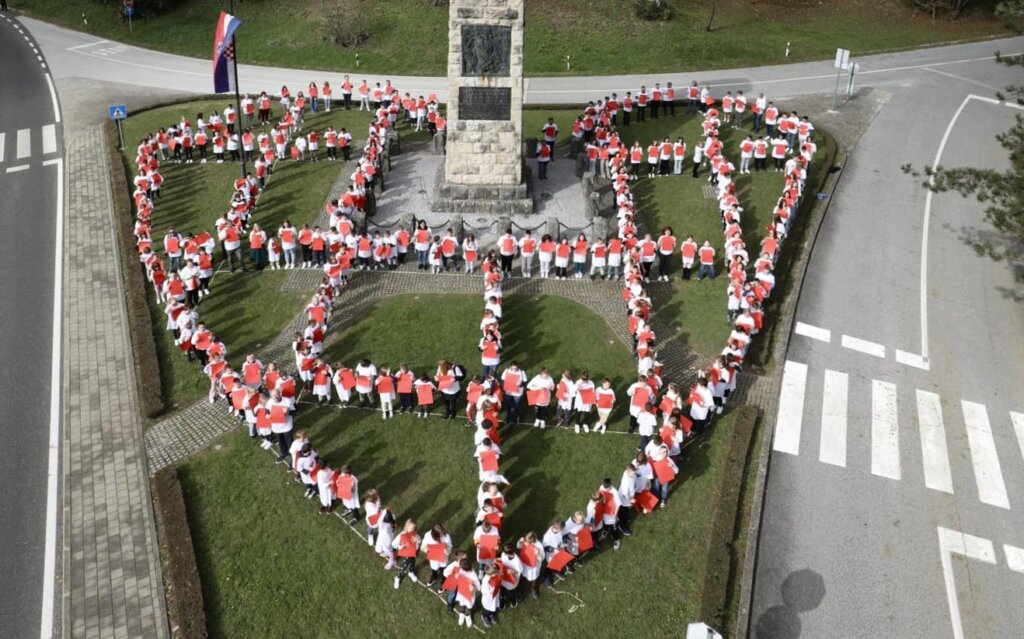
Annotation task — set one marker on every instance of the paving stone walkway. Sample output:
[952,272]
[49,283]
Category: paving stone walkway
[196,427]
[112,582]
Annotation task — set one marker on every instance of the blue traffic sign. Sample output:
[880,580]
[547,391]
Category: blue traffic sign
[129,11]
[117,112]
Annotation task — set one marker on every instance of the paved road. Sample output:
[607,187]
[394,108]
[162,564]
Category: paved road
[875,456]
[882,465]
[30,144]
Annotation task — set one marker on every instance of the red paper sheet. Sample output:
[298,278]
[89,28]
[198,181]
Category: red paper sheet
[560,560]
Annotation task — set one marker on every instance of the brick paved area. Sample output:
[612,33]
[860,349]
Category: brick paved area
[112,583]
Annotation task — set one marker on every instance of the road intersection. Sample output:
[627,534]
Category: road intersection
[896,486]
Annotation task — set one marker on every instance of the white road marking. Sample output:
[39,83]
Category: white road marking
[1014,558]
[814,332]
[951,541]
[863,346]
[27,39]
[987,473]
[791,408]
[53,458]
[53,97]
[833,418]
[39,57]
[51,161]
[934,453]
[87,44]
[885,433]
[49,139]
[1018,427]
[911,359]
[20,167]
[963,79]
[3,140]
[24,143]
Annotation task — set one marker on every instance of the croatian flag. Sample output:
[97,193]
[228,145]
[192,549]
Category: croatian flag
[223,51]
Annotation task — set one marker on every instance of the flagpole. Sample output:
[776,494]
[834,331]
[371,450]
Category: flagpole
[238,106]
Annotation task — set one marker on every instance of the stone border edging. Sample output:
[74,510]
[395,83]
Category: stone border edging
[784,331]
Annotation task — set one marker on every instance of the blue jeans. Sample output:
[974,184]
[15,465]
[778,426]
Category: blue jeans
[706,270]
[312,104]
[493,370]
[578,267]
[422,257]
[542,170]
[660,489]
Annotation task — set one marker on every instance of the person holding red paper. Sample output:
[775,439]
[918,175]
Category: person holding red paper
[595,519]
[474,391]
[365,372]
[322,374]
[605,400]
[372,508]
[325,488]
[665,471]
[565,391]
[646,421]
[487,455]
[579,538]
[511,570]
[437,545]
[424,395]
[701,401]
[346,489]
[448,377]
[490,513]
[344,382]
[404,380]
[628,495]
[513,381]
[406,545]
[486,539]
[467,586]
[538,393]
[531,556]
[639,393]
[490,349]
[613,505]
[584,401]
[385,385]
[491,490]
[490,594]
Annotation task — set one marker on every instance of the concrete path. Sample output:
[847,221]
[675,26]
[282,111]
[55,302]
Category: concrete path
[112,583]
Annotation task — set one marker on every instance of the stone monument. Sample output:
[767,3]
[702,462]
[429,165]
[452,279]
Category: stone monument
[483,170]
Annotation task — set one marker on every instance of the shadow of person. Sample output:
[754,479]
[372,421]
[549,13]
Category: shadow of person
[802,591]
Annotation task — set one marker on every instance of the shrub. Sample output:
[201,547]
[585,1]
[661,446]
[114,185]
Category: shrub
[652,10]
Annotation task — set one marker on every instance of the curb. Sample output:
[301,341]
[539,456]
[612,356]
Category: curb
[784,332]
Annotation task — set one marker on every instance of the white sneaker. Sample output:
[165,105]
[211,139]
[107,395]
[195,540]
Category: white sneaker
[397,583]
[369,540]
[413,578]
[577,429]
[586,428]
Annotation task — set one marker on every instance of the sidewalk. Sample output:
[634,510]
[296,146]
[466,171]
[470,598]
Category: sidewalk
[112,582]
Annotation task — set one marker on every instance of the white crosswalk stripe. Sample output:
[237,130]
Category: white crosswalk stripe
[24,143]
[885,432]
[49,139]
[987,472]
[791,408]
[934,453]
[933,428]
[3,139]
[833,418]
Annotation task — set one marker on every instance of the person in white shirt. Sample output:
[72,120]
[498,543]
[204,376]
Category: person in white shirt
[646,422]
[366,372]
[541,382]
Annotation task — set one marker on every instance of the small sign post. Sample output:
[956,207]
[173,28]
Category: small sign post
[117,113]
[854,70]
[842,63]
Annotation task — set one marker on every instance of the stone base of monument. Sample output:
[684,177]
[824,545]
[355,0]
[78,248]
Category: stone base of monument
[483,199]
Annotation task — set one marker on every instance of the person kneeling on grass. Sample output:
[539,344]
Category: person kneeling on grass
[407,544]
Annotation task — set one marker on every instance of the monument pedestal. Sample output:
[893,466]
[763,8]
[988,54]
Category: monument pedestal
[485,199]
[484,170]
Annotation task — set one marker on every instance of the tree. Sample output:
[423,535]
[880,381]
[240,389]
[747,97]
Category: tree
[1001,191]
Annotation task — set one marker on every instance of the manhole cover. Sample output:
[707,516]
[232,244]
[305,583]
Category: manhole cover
[421,191]
[546,196]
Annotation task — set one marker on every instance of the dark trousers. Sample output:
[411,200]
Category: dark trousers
[506,263]
[760,164]
[284,443]
[654,108]
[664,264]
[346,153]
[625,117]
[451,401]
[542,170]
[669,106]
[347,99]
[641,111]
[513,404]
[406,402]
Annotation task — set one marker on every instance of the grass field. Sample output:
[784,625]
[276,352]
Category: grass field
[678,202]
[600,36]
[246,311]
[270,565]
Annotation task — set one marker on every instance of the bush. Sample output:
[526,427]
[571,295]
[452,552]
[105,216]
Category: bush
[347,22]
[181,575]
[652,10]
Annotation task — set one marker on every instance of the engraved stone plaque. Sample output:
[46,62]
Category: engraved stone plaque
[485,103]
[486,49]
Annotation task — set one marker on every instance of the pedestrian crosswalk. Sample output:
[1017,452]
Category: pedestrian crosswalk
[20,146]
[841,429]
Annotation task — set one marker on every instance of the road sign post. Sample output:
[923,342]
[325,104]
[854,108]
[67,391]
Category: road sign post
[842,62]
[117,113]
[854,70]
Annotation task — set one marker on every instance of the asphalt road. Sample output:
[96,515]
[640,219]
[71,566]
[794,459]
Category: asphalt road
[28,206]
[897,448]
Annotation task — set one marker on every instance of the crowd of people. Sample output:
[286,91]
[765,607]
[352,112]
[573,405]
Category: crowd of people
[495,573]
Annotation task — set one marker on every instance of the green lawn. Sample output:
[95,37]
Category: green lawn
[679,202]
[601,36]
[269,564]
[245,311]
